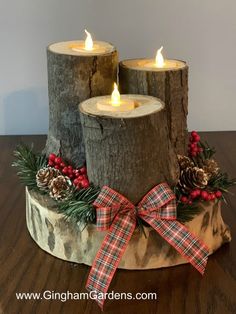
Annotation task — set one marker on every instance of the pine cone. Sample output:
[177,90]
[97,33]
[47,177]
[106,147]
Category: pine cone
[211,167]
[184,162]
[44,176]
[192,178]
[60,188]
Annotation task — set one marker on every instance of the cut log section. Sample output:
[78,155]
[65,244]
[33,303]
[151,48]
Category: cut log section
[72,78]
[63,239]
[128,151]
[168,84]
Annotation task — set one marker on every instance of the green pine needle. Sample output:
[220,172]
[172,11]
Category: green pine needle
[78,207]
[208,152]
[28,164]
[186,212]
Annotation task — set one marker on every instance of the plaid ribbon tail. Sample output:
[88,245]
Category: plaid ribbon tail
[178,236]
[109,255]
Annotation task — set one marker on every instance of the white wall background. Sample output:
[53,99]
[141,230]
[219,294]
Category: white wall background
[201,32]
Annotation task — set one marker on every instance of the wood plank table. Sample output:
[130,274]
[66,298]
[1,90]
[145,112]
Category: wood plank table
[24,267]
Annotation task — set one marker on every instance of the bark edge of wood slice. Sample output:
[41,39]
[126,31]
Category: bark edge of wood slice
[64,240]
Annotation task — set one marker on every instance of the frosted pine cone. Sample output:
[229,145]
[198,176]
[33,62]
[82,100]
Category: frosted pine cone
[184,162]
[44,176]
[192,178]
[211,168]
[60,188]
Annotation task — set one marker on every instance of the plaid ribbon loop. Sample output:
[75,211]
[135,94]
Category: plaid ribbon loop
[117,214]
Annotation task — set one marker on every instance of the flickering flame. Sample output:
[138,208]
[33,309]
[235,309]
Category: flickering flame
[88,45]
[159,58]
[115,96]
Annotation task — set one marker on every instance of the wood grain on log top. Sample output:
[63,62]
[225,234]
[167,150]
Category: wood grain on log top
[181,290]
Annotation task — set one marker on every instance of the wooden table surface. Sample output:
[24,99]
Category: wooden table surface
[24,267]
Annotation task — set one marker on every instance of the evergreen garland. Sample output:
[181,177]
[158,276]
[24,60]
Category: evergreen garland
[79,208]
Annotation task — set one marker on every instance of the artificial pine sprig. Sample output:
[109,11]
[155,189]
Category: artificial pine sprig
[28,163]
[185,212]
[221,182]
[207,151]
[79,206]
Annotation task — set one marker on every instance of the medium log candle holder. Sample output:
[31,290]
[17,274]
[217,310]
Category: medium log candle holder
[73,77]
[170,84]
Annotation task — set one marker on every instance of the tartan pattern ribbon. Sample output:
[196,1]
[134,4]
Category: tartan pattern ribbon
[117,214]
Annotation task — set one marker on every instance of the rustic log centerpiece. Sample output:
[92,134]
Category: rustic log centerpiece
[130,143]
[128,150]
[75,74]
[167,81]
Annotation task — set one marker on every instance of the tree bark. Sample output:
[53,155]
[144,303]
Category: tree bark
[131,152]
[71,80]
[64,239]
[171,86]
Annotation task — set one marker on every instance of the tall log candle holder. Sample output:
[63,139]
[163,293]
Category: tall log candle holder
[128,151]
[73,76]
[169,83]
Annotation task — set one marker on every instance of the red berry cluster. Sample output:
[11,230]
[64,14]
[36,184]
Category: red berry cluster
[200,194]
[194,147]
[77,176]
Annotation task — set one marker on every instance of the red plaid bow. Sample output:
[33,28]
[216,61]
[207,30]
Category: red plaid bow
[118,215]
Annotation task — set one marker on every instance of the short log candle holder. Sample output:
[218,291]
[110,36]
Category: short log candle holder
[128,151]
[169,83]
[74,76]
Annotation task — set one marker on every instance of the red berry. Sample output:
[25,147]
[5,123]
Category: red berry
[58,160]
[195,193]
[57,167]
[208,198]
[190,202]
[193,133]
[83,170]
[80,177]
[51,163]
[84,183]
[213,196]
[65,170]
[76,181]
[184,199]
[194,149]
[52,157]
[204,195]
[71,176]
[70,168]
[193,154]
[218,194]
[62,165]
[197,138]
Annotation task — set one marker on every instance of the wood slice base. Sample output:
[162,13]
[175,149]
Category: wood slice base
[64,240]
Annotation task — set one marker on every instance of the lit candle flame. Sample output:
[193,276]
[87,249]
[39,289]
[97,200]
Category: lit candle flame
[115,96]
[159,58]
[88,44]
